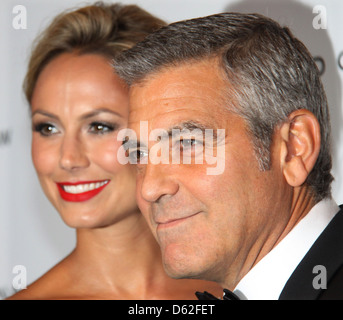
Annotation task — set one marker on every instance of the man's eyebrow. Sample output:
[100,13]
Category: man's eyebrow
[185,125]
[191,125]
[188,125]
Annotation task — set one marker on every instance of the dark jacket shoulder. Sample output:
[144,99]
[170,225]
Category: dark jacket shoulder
[326,255]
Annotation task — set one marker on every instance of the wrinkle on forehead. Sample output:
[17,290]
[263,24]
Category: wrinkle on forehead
[195,90]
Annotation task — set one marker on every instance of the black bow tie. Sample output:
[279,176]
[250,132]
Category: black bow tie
[228,295]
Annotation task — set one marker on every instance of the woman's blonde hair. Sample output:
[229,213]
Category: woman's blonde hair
[105,29]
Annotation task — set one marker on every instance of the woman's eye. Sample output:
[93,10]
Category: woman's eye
[46,129]
[100,128]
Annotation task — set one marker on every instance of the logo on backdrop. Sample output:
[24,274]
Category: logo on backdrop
[320,64]
[5,137]
[340,60]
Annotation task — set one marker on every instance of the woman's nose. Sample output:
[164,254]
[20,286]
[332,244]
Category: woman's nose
[73,154]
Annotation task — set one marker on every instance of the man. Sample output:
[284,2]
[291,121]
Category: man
[265,226]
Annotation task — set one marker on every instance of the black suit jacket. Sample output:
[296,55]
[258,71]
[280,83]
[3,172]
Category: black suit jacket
[328,252]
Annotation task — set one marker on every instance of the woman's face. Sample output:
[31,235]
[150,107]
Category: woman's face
[78,107]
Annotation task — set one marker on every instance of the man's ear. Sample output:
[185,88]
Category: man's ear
[300,146]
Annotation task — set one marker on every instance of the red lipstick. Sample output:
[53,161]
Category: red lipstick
[81,191]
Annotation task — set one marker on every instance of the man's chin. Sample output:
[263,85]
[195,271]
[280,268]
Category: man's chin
[180,263]
[177,274]
[178,270]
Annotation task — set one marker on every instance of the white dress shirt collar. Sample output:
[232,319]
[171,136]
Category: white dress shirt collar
[268,277]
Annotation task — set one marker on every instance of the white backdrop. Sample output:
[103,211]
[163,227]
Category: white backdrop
[31,232]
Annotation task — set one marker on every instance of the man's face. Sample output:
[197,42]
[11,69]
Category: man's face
[208,226]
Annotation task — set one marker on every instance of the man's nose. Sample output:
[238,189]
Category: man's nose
[158,181]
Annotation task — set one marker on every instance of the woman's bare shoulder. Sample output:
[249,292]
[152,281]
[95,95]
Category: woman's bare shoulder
[50,286]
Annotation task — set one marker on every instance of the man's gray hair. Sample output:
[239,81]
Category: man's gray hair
[272,74]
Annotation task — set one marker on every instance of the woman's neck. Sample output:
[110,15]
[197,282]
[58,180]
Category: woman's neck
[123,258]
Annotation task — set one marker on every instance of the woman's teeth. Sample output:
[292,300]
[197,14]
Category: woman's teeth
[81,188]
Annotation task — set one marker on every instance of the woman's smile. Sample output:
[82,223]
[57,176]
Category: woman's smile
[80,191]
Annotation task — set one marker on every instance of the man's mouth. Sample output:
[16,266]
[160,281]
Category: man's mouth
[174,222]
[81,191]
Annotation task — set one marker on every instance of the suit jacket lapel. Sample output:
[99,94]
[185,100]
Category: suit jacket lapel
[327,251]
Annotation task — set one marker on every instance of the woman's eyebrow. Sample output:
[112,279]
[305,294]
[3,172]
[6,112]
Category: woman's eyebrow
[83,117]
[44,113]
[98,111]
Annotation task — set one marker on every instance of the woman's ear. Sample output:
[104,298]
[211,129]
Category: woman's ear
[300,137]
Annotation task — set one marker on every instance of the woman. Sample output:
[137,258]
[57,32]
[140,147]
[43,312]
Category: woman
[78,105]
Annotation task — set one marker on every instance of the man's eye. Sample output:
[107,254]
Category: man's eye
[188,143]
[100,128]
[136,155]
[45,129]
